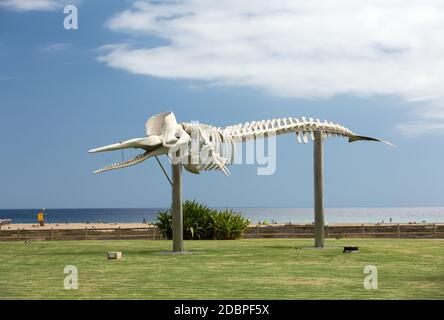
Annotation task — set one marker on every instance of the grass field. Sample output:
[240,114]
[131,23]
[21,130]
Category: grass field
[244,269]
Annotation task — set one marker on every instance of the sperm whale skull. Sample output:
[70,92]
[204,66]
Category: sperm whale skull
[163,132]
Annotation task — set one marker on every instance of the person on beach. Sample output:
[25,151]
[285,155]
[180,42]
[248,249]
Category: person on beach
[41,218]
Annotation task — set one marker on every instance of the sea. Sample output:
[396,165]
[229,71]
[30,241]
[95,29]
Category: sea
[267,215]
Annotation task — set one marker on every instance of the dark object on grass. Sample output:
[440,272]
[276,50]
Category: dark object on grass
[350,249]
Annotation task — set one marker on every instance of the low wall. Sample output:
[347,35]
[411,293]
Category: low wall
[272,231]
[80,234]
[349,231]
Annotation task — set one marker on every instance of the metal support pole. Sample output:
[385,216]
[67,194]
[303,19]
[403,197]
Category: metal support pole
[177,208]
[163,170]
[318,188]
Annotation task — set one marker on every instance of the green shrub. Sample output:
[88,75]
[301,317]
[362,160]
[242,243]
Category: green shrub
[197,221]
[201,222]
[228,225]
[165,224]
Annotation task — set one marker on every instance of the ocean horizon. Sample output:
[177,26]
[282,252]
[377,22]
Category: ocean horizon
[270,215]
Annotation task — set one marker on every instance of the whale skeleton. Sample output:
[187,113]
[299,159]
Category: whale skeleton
[184,143]
[165,136]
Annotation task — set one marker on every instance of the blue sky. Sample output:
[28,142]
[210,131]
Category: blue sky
[63,92]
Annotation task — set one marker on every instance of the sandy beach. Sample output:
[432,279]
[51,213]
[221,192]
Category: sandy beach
[74,226]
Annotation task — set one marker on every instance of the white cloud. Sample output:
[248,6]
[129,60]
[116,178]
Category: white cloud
[30,5]
[35,5]
[310,49]
[428,118]
[420,127]
[56,47]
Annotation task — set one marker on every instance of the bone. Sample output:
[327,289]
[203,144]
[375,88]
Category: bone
[138,159]
[132,143]
[305,137]
[273,124]
[298,136]
[312,135]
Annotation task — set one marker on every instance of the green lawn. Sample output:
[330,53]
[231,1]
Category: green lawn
[244,269]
